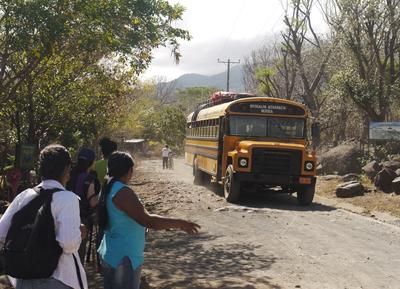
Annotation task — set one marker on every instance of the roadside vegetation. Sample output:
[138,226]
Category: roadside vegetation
[69,68]
[69,73]
[347,75]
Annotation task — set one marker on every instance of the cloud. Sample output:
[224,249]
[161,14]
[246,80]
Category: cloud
[201,57]
[221,29]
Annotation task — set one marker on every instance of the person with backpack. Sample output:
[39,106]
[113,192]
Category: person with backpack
[41,231]
[125,219]
[84,184]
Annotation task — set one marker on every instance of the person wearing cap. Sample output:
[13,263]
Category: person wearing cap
[82,183]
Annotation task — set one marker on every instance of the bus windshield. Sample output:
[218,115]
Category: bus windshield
[260,126]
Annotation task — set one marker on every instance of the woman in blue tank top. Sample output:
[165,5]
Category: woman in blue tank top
[124,220]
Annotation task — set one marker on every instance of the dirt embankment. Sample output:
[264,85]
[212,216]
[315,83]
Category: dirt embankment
[371,202]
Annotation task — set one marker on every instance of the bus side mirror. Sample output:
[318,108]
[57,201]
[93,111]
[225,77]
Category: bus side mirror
[315,133]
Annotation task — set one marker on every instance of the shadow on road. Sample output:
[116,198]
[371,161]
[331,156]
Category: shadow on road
[271,199]
[193,262]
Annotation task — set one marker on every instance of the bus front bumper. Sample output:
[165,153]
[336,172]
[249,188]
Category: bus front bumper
[274,180]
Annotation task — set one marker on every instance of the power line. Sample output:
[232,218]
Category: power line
[241,8]
[229,62]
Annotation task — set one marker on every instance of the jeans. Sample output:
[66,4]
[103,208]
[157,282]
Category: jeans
[165,162]
[122,277]
[49,283]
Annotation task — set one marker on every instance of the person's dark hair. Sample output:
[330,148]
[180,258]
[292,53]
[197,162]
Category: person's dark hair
[53,160]
[119,164]
[85,160]
[107,146]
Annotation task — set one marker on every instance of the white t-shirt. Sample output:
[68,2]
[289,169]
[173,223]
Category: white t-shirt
[166,152]
[65,211]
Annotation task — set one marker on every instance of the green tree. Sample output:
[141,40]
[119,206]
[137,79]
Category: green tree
[167,125]
[188,98]
[369,30]
[66,66]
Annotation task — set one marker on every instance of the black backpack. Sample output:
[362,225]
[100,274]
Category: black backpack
[31,250]
[86,210]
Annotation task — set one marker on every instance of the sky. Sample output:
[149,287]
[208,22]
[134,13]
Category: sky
[220,29]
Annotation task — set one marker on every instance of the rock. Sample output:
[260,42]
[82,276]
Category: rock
[394,158]
[396,185]
[342,159]
[397,172]
[371,169]
[330,177]
[384,178]
[350,177]
[393,165]
[349,189]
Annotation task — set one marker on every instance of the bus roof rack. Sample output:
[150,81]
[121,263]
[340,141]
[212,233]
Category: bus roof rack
[220,97]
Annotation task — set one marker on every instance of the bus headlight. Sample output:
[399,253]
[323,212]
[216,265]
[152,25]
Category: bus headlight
[309,166]
[243,162]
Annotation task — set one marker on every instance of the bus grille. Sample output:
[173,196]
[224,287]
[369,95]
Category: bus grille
[276,162]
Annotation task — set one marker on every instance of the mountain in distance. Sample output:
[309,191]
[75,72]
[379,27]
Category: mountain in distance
[216,80]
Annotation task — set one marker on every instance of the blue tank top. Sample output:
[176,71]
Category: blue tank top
[123,236]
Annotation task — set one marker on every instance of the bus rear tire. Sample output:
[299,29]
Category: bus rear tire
[231,186]
[199,176]
[305,195]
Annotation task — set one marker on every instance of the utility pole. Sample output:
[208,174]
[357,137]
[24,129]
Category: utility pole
[229,62]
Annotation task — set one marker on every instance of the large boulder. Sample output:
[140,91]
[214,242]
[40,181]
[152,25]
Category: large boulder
[330,177]
[350,177]
[396,185]
[393,165]
[398,172]
[384,178]
[343,159]
[371,169]
[349,189]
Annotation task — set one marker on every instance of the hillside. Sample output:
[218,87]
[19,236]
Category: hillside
[216,80]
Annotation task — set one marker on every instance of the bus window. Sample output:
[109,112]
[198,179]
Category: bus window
[285,128]
[248,126]
[259,126]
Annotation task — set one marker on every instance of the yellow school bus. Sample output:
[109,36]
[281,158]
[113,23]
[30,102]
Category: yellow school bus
[252,141]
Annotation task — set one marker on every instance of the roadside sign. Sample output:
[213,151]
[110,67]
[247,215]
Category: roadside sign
[384,131]
[27,160]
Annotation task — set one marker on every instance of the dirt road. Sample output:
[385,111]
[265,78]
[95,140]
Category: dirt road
[265,242]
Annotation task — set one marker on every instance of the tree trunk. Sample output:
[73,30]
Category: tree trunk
[31,115]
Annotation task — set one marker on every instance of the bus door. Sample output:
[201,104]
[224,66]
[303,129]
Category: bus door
[221,133]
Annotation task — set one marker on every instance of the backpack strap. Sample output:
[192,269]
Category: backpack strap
[40,190]
[78,272]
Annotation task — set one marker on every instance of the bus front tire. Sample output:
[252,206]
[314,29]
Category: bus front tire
[231,186]
[305,195]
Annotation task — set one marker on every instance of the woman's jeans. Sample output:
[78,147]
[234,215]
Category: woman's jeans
[122,277]
[49,283]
